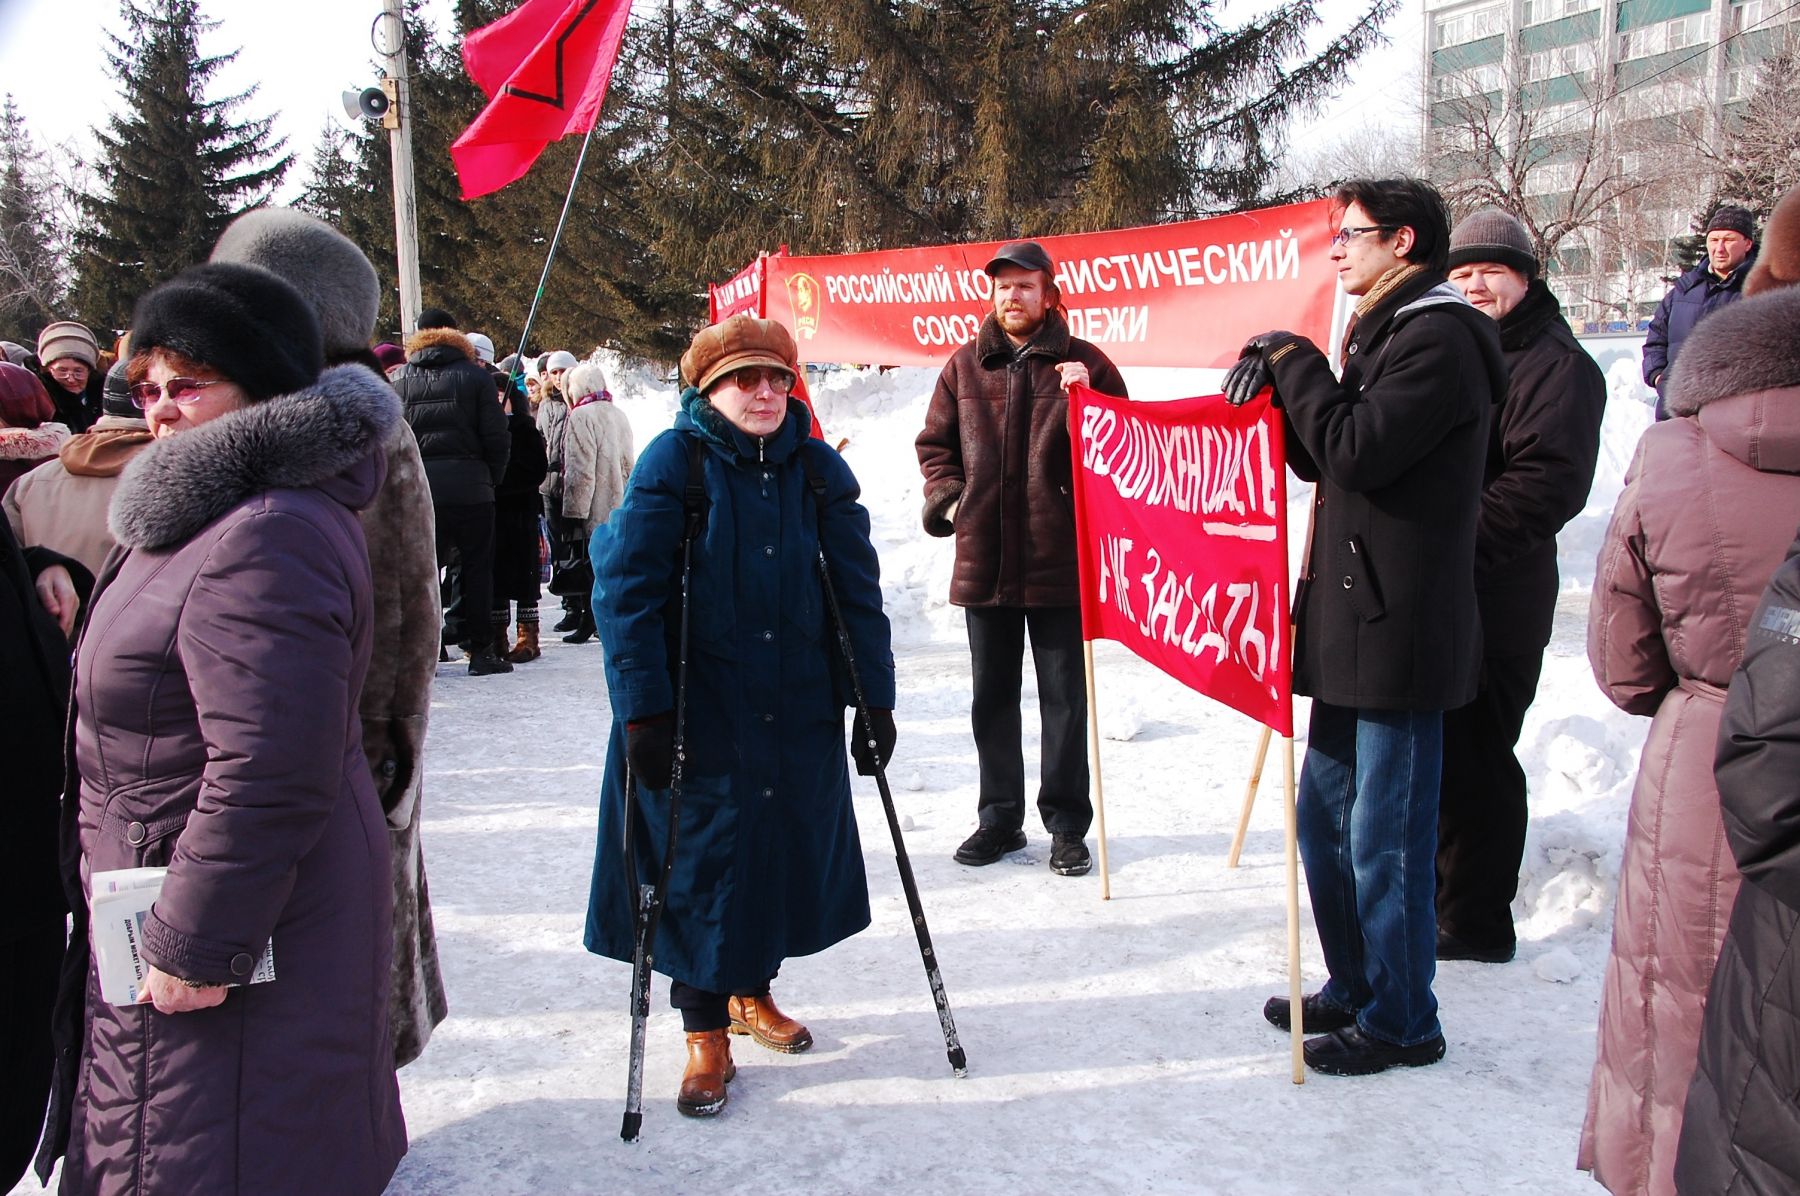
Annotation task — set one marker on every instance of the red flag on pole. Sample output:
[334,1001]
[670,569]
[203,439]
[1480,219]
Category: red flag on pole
[545,67]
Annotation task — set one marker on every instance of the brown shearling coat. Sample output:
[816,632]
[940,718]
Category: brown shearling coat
[399,527]
[996,448]
[61,505]
[1703,522]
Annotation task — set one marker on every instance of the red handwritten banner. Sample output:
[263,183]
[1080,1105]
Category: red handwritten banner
[742,293]
[1181,527]
[1186,294]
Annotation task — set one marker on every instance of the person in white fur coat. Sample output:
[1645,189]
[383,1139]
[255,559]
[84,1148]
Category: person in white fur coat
[598,453]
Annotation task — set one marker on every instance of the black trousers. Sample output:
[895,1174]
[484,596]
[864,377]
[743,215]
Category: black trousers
[996,653]
[32,962]
[1481,808]
[468,530]
[703,1010]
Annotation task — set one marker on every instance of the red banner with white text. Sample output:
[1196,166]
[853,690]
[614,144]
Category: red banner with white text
[1181,529]
[742,294]
[1186,294]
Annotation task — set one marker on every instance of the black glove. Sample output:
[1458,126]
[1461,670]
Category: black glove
[1251,373]
[868,761]
[650,747]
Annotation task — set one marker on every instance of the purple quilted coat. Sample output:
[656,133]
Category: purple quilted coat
[217,733]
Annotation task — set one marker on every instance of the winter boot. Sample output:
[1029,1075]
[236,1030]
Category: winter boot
[758,1017]
[709,1069]
[570,621]
[526,648]
[584,630]
[483,662]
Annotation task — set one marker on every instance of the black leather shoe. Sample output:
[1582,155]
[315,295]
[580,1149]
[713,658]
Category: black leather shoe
[584,631]
[1453,948]
[1350,1052]
[570,621]
[1069,855]
[1321,1016]
[988,844]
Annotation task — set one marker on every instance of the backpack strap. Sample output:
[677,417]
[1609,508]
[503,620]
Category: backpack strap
[693,495]
[814,481]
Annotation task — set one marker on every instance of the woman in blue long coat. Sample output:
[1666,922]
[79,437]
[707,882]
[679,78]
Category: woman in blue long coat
[768,864]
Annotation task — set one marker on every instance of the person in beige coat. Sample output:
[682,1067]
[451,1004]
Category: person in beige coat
[1707,513]
[598,452]
[61,505]
[336,277]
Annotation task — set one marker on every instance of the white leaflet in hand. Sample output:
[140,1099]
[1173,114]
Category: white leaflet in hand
[120,902]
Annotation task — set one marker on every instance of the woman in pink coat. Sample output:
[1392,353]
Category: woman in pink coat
[1705,518]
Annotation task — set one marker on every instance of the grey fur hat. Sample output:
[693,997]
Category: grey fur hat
[324,265]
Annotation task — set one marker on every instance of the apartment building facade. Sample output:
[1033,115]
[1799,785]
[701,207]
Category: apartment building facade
[1635,82]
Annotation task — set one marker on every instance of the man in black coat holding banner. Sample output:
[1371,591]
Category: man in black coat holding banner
[1540,466]
[1387,635]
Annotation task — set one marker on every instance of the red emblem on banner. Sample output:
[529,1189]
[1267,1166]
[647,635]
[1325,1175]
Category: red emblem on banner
[1181,528]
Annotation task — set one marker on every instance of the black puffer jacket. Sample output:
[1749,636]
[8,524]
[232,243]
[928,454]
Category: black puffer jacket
[454,410]
[1741,1131]
[1540,467]
[1385,612]
[76,410]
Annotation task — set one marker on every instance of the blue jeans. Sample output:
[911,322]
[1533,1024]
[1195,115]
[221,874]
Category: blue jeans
[1368,812]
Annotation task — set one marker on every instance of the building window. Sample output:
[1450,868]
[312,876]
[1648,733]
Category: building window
[1752,14]
[1678,34]
[1536,12]
[1456,28]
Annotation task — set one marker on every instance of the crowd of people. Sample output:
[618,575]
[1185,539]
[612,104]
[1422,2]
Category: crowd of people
[240,542]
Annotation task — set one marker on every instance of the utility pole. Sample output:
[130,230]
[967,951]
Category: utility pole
[398,85]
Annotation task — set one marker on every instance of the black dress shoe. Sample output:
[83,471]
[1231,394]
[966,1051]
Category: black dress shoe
[1321,1016]
[988,844]
[1350,1052]
[1451,947]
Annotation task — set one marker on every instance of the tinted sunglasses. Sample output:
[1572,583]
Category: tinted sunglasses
[780,381]
[179,390]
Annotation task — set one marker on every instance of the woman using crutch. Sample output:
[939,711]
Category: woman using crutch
[728,697]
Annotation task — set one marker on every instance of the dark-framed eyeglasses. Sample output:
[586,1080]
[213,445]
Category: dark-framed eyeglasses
[1344,236]
[748,378]
[179,390]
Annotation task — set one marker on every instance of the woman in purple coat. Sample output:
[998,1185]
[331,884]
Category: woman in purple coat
[216,733]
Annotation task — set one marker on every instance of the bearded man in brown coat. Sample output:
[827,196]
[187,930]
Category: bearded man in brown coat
[996,458]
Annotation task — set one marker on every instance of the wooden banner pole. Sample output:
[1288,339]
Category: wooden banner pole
[1295,998]
[1243,828]
[1087,648]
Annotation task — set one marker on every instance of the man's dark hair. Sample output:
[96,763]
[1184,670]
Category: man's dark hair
[1405,203]
[436,317]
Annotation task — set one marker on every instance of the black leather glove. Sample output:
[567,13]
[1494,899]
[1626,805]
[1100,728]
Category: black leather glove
[1251,373]
[868,760]
[650,747]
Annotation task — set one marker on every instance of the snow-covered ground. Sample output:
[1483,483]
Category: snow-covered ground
[1113,1046]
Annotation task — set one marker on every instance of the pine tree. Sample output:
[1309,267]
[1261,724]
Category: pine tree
[31,276]
[177,166]
[331,178]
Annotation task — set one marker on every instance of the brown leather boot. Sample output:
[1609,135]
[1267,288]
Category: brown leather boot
[525,649]
[758,1017]
[709,1069]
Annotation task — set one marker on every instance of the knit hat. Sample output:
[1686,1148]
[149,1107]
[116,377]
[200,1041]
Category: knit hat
[1778,258]
[1493,235]
[389,355]
[562,359]
[115,397]
[732,344]
[324,265]
[484,346]
[1027,255]
[1732,219]
[241,320]
[436,317]
[66,338]
[16,353]
[24,403]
